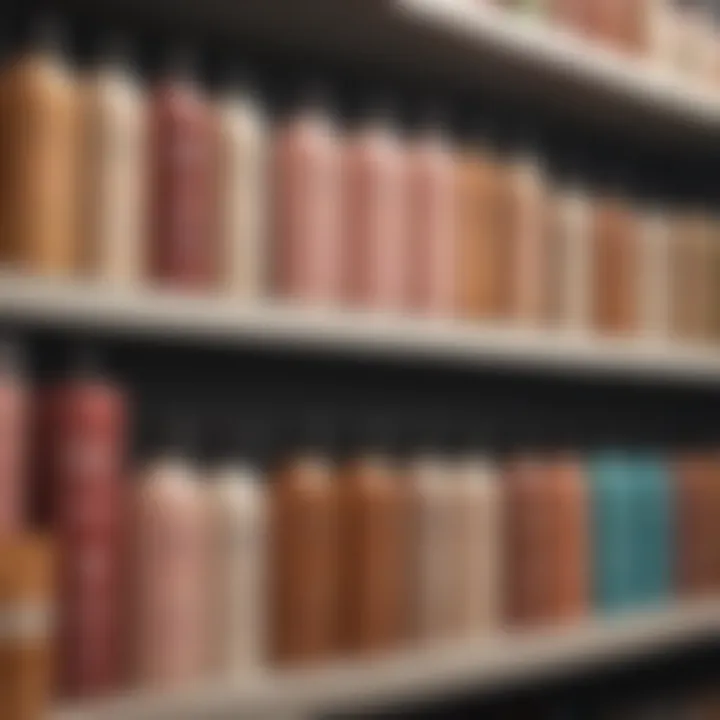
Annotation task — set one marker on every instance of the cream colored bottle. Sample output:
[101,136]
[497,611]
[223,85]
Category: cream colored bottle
[169,583]
[113,148]
[38,116]
[237,534]
[434,586]
[569,253]
[242,192]
[479,527]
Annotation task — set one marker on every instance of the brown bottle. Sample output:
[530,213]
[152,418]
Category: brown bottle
[303,527]
[181,172]
[27,585]
[697,498]
[615,307]
[530,537]
[476,171]
[373,548]
[568,564]
[38,115]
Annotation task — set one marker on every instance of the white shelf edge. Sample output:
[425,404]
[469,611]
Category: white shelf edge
[422,674]
[549,49]
[221,321]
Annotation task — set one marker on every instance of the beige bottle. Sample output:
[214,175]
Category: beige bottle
[479,529]
[434,571]
[242,189]
[653,285]
[236,561]
[169,615]
[113,148]
[38,115]
[569,255]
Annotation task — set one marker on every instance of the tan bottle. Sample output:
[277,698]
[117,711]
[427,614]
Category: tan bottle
[38,114]
[476,173]
[434,542]
[27,587]
[113,148]
[374,537]
[568,250]
[242,191]
[527,286]
[479,512]
[615,240]
[303,526]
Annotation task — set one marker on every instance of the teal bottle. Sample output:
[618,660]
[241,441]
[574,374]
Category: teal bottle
[612,499]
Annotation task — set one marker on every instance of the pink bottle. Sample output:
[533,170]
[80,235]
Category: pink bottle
[168,618]
[181,162]
[431,188]
[82,436]
[375,215]
[13,437]
[308,216]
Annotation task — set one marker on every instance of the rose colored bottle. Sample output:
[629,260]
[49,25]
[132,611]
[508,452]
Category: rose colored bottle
[242,190]
[375,214]
[304,550]
[236,519]
[114,151]
[38,112]
[432,207]
[374,543]
[181,174]
[307,187]
[168,619]
[14,429]
[82,426]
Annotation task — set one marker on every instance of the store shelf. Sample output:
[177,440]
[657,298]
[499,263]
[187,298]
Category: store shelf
[215,321]
[421,675]
[455,44]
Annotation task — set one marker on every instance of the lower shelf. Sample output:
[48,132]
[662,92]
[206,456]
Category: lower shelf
[421,674]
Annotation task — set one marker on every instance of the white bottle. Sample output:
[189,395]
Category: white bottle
[168,565]
[114,172]
[434,558]
[479,524]
[242,194]
[236,515]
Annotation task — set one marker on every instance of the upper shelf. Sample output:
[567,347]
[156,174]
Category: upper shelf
[457,44]
[214,320]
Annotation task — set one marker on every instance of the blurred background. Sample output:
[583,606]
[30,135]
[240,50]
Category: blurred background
[359,359]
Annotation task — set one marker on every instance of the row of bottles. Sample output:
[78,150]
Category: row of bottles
[677,36]
[166,186]
[302,540]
